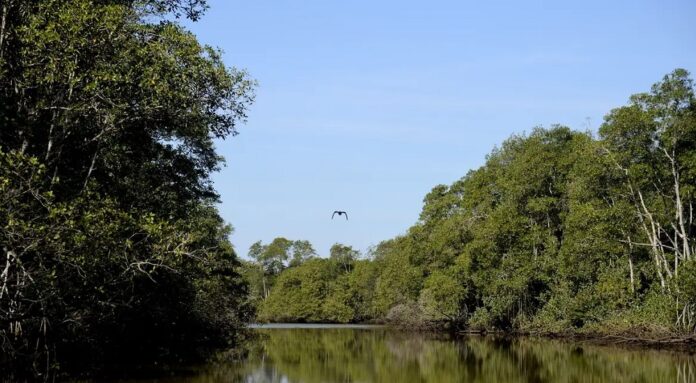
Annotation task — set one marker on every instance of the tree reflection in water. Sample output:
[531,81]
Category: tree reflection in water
[380,355]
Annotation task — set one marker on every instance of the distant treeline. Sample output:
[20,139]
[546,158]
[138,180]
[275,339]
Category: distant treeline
[560,230]
[111,247]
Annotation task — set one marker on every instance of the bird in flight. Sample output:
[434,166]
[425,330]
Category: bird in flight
[340,213]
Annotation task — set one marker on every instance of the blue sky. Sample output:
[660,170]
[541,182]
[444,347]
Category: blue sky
[364,106]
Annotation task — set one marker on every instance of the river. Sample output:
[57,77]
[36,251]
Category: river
[319,354]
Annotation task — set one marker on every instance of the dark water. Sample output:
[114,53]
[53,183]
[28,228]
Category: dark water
[335,354]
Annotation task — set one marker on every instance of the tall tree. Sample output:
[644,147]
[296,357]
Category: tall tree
[302,251]
[108,112]
[653,142]
[343,255]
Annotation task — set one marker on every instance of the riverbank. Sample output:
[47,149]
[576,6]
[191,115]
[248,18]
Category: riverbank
[629,340]
[625,339]
[357,326]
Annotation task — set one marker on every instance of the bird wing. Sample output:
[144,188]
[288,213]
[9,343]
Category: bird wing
[346,215]
[334,213]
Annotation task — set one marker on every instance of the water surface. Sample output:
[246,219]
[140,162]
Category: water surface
[311,354]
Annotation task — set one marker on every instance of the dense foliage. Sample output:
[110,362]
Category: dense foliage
[111,247]
[559,230]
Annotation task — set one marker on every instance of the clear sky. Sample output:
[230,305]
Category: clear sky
[364,106]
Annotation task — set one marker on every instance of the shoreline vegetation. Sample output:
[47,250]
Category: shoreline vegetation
[684,343]
[562,233]
[668,342]
[113,252]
